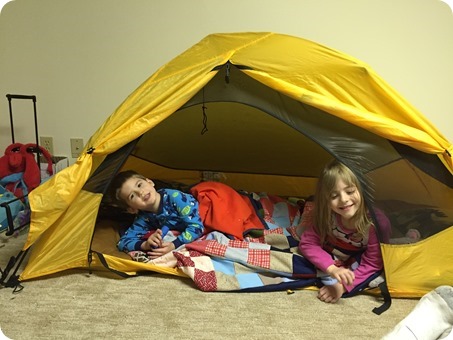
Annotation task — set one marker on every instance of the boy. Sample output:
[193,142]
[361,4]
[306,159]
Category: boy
[155,209]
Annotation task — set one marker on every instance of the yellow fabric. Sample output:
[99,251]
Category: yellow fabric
[63,215]
[52,198]
[363,98]
[413,270]
[66,243]
[131,267]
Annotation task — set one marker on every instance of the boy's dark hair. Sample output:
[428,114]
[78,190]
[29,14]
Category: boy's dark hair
[117,184]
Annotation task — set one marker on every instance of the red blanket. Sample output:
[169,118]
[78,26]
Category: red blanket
[223,209]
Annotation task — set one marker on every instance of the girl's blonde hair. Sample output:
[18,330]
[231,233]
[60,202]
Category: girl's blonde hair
[322,213]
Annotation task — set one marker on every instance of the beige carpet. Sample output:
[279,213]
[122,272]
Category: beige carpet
[77,305]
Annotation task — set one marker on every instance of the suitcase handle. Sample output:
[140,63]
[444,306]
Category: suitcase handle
[20,96]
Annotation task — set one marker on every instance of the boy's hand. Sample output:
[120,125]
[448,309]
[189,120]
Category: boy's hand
[165,248]
[155,240]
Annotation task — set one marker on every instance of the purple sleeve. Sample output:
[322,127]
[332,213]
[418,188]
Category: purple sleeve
[310,247]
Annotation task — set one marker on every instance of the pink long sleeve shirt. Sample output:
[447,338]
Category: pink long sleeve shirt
[345,245]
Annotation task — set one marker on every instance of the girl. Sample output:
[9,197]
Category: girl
[339,237]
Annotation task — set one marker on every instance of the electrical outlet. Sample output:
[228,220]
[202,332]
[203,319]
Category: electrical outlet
[47,143]
[76,147]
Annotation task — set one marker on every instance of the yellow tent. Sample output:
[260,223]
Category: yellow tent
[261,112]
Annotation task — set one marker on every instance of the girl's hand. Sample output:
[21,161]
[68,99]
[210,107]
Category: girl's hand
[344,276]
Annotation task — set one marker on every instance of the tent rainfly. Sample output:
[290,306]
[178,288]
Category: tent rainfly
[235,108]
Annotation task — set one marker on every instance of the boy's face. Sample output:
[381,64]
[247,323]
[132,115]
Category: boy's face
[140,194]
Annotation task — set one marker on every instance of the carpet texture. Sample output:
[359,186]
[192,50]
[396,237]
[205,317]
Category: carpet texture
[77,305]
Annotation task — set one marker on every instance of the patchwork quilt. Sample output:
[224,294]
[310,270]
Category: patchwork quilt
[265,263]
[265,260]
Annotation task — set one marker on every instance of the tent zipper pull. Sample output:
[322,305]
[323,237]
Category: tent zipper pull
[90,259]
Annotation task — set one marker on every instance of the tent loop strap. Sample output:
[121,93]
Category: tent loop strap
[106,265]
[90,150]
[205,117]
[90,259]
[227,74]
[13,280]
[387,299]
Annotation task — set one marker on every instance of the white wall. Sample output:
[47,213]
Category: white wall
[82,58]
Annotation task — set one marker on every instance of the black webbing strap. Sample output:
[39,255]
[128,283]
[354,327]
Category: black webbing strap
[383,285]
[387,299]
[106,265]
[12,281]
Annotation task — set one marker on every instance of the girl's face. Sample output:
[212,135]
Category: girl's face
[140,194]
[345,201]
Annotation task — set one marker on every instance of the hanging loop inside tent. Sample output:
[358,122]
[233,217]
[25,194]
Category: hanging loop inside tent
[205,117]
[205,121]
[227,74]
